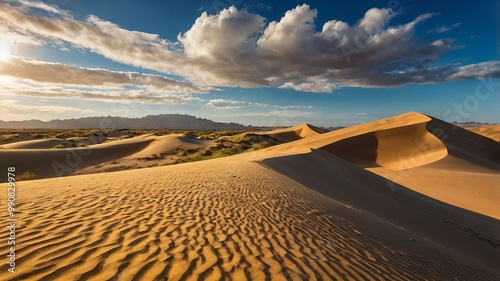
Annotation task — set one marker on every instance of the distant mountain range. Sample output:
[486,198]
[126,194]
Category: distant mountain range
[163,121]
[471,124]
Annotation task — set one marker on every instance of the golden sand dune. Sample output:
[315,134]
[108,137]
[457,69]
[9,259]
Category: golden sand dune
[473,234]
[234,220]
[467,145]
[454,181]
[294,133]
[467,177]
[489,131]
[380,143]
[35,144]
[59,162]
[95,154]
[412,150]
[169,143]
[361,203]
[423,153]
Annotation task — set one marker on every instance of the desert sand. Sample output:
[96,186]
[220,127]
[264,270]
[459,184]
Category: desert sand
[489,131]
[403,198]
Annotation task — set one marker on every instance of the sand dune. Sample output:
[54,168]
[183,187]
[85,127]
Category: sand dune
[467,145]
[35,144]
[489,131]
[387,148]
[467,177]
[349,184]
[294,133]
[95,152]
[234,220]
[169,143]
[59,162]
[405,148]
[424,154]
[404,198]
[380,143]
[454,181]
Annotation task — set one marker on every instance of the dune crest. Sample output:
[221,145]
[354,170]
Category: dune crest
[294,133]
[398,148]
[398,142]
[168,144]
[35,144]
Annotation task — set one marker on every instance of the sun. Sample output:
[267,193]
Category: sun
[4,50]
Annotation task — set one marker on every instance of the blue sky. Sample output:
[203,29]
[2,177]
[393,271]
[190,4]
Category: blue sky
[261,63]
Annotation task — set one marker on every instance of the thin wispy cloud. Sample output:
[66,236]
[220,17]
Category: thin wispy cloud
[225,104]
[61,74]
[278,113]
[444,28]
[312,87]
[44,90]
[43,79]
[14,109]
[229,104]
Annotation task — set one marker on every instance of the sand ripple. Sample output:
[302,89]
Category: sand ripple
[214,220]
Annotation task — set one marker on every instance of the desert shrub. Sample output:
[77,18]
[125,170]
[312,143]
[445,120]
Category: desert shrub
[59,146]
[234,139]
[227,151]
[186,150]
[207,152]
[261,145]
[26,176]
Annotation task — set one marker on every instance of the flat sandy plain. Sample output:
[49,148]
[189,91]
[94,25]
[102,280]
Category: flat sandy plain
[404,198]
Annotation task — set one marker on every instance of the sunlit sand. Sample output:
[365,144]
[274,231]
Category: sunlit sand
[403,198]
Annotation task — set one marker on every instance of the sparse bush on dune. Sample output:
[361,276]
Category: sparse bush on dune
[183,150]
[26,176]
[234,139]
[208,154]
[261,145]
[226,146]
[81,144]
[214,135]
[59,146]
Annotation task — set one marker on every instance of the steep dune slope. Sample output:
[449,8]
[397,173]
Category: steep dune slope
[35,144]
[467,145]
[397,148]
[294,133]
[467,177]
[167,144]
[59,162]
[402,150]
[398,142]
[474,235]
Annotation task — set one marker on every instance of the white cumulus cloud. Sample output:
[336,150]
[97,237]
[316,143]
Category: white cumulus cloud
[238,48]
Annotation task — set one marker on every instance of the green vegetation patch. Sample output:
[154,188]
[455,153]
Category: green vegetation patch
[26,176]
[59,146]
[241,138]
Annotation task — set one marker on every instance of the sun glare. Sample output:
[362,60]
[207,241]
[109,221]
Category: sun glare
[4,50]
